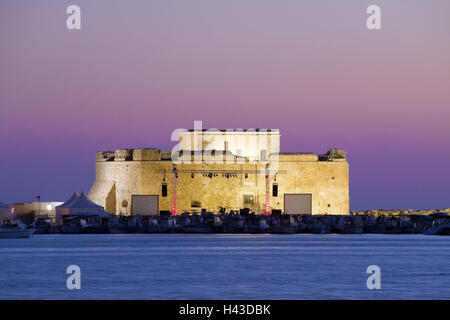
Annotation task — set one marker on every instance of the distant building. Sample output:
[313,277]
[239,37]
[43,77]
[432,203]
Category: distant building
[5,213]
[217,170]
[27,211]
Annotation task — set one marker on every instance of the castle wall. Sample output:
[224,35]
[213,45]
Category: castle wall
[134,172]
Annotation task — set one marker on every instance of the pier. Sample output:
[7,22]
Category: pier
[207,222]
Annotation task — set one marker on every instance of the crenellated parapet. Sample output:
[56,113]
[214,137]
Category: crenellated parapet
[105,156]
[154,154]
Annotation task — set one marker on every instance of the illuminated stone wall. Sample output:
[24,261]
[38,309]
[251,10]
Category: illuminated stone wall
[247,143]
[124,173]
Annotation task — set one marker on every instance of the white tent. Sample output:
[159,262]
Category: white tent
[59,210]
[64,208]
[5,212]
[82,205]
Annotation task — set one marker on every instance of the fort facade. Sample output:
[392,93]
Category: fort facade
[221,171]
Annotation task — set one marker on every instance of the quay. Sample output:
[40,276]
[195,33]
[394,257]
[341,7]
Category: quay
[80,215]
[207,222]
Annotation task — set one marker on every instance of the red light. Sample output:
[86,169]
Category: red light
[267,206]
[175,187]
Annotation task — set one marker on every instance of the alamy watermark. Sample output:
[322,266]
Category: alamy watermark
[374,280]
[229,146]
[73,21]
[373,22]
[74,280]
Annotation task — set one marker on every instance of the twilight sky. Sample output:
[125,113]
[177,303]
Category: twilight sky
[137,70]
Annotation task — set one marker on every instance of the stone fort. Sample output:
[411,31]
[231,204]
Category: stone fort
[217,171]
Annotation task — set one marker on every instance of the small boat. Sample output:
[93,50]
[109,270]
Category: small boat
[439,228]
[197,228]
[84,223]
[238,224]
[285,226]
[258,225]
[205,222]
[10,233]
[349,225]
[319,229]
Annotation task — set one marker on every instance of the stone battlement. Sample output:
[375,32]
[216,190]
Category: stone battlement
[154,154]
[142,154]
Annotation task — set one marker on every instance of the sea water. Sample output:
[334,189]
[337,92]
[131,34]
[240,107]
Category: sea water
[218,266]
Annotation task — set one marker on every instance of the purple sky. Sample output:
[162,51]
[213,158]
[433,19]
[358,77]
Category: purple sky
[139,69]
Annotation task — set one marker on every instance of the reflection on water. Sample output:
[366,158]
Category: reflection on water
[179,266]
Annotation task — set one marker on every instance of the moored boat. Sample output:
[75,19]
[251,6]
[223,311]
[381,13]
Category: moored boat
[349,225]
[197,228]
[319,229]
[10,233]
[286,225]
[258,225]
[441,228]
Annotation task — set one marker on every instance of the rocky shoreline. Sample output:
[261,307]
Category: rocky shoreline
[397,212]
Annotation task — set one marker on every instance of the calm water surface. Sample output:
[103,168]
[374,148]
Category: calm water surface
[178,266]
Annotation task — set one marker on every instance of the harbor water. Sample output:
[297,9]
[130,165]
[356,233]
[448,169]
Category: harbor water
[225,266]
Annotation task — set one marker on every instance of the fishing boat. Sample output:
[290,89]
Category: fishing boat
[199,223]
[15,229]
[319,225]
[349,225]
[197,228]
[238,224]
[258,225]
[439,227]
[85,223]
[285,225]
[10,233]
[319,229]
